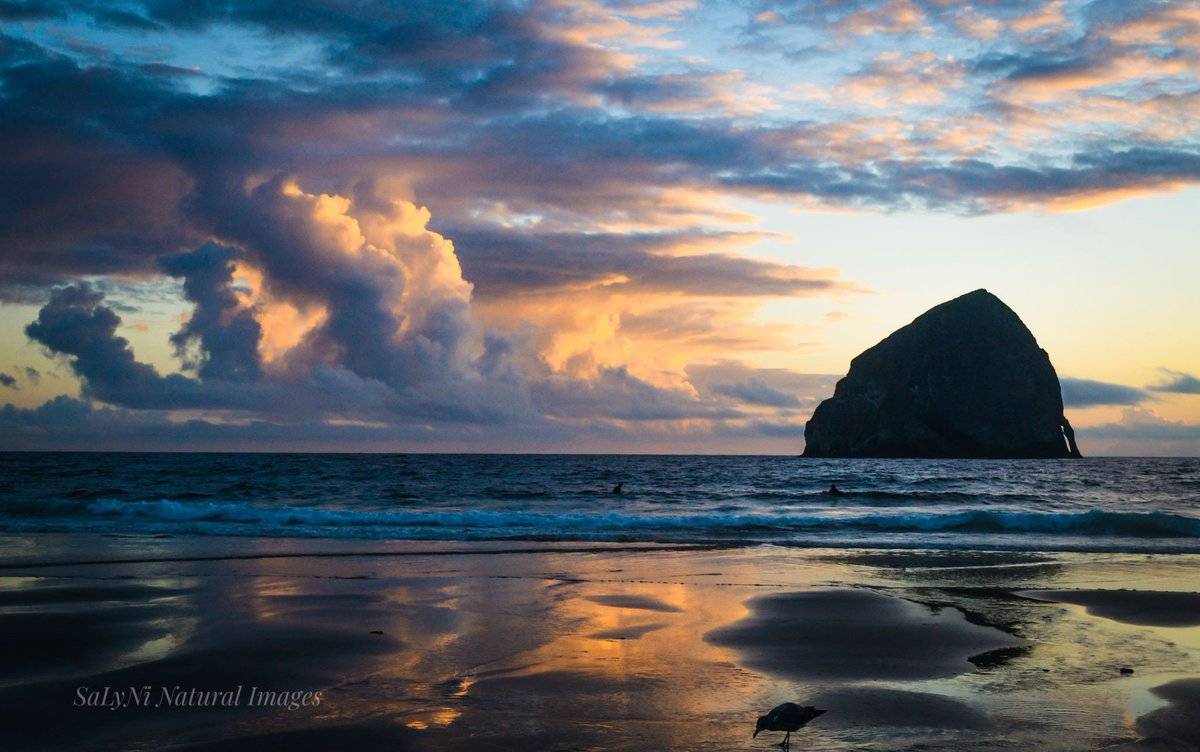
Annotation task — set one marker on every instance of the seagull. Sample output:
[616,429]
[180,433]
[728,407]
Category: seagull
[787,717]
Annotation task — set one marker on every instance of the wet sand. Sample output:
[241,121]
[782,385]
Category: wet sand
[593,647]
[1145,607]
[857,634]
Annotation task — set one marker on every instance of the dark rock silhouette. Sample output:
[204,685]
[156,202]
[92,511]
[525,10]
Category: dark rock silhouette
[964,379]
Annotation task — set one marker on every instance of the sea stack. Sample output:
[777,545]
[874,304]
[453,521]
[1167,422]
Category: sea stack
[964,379]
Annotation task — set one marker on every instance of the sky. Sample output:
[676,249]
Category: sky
[595,225]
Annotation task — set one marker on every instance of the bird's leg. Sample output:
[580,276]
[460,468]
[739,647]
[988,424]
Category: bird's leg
[787,740]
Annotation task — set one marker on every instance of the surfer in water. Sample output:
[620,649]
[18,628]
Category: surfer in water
[834,490]
[619,489]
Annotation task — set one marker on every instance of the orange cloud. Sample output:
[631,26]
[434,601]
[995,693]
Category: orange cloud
[1109,71]
[892,79]
[1083,200]
[895,17]
[284,324]
[1176,24]
[1049,17]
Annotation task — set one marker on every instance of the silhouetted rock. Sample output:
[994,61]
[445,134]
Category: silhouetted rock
[964,379]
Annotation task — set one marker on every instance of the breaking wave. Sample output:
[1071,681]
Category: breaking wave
[481,524]
[1113,504]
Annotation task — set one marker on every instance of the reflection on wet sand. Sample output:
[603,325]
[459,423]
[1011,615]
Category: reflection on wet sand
[606,650]
[838,634]
[1145,607]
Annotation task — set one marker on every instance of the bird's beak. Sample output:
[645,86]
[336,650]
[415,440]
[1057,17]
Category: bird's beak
[755,734]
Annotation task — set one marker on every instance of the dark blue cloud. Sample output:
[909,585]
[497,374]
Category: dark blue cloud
[86,188]
[67,423]
[757,392]
[616,394]
[1177,382]
[227,333]
[776,388]
[75,325]
[120,19]
[502,262]
[25,10]
[1089,393]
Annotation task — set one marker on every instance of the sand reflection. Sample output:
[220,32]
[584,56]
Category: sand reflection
[615,651]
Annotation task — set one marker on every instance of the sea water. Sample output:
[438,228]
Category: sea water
[1094,504]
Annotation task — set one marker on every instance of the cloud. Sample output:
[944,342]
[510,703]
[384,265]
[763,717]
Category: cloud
[396,305]
[397,339]
[67,423]
[1044,81]
[1088,178]
[79,197]
[428,218]
[23,10]
[757,392]
[891,17]
[226,332]
[1139,423]
[482,54]
[793,431]
[1177,382]
[1157,24]
[119,19]
[618,395]
[1140,431]
[512,262]
[76,326]
[920,79]
[762,387]
[564,162]
[694,92]
[1049,16]
[108,156]
[1089,393]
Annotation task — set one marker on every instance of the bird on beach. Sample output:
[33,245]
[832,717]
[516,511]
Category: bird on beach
[787,717]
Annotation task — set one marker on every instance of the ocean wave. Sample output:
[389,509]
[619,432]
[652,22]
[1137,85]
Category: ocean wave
[867,496]
[227,517]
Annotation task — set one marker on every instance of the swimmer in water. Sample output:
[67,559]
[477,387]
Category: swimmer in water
[834,490]
[619,488]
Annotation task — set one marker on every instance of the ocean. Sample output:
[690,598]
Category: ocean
[1095,504]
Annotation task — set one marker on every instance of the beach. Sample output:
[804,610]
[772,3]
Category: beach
[599,376]
[517,646]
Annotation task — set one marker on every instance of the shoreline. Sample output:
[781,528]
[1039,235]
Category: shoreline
[160,548]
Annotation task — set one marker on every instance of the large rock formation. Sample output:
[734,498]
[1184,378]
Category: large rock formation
[964,379]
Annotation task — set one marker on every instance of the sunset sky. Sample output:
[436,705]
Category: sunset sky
[632,225]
